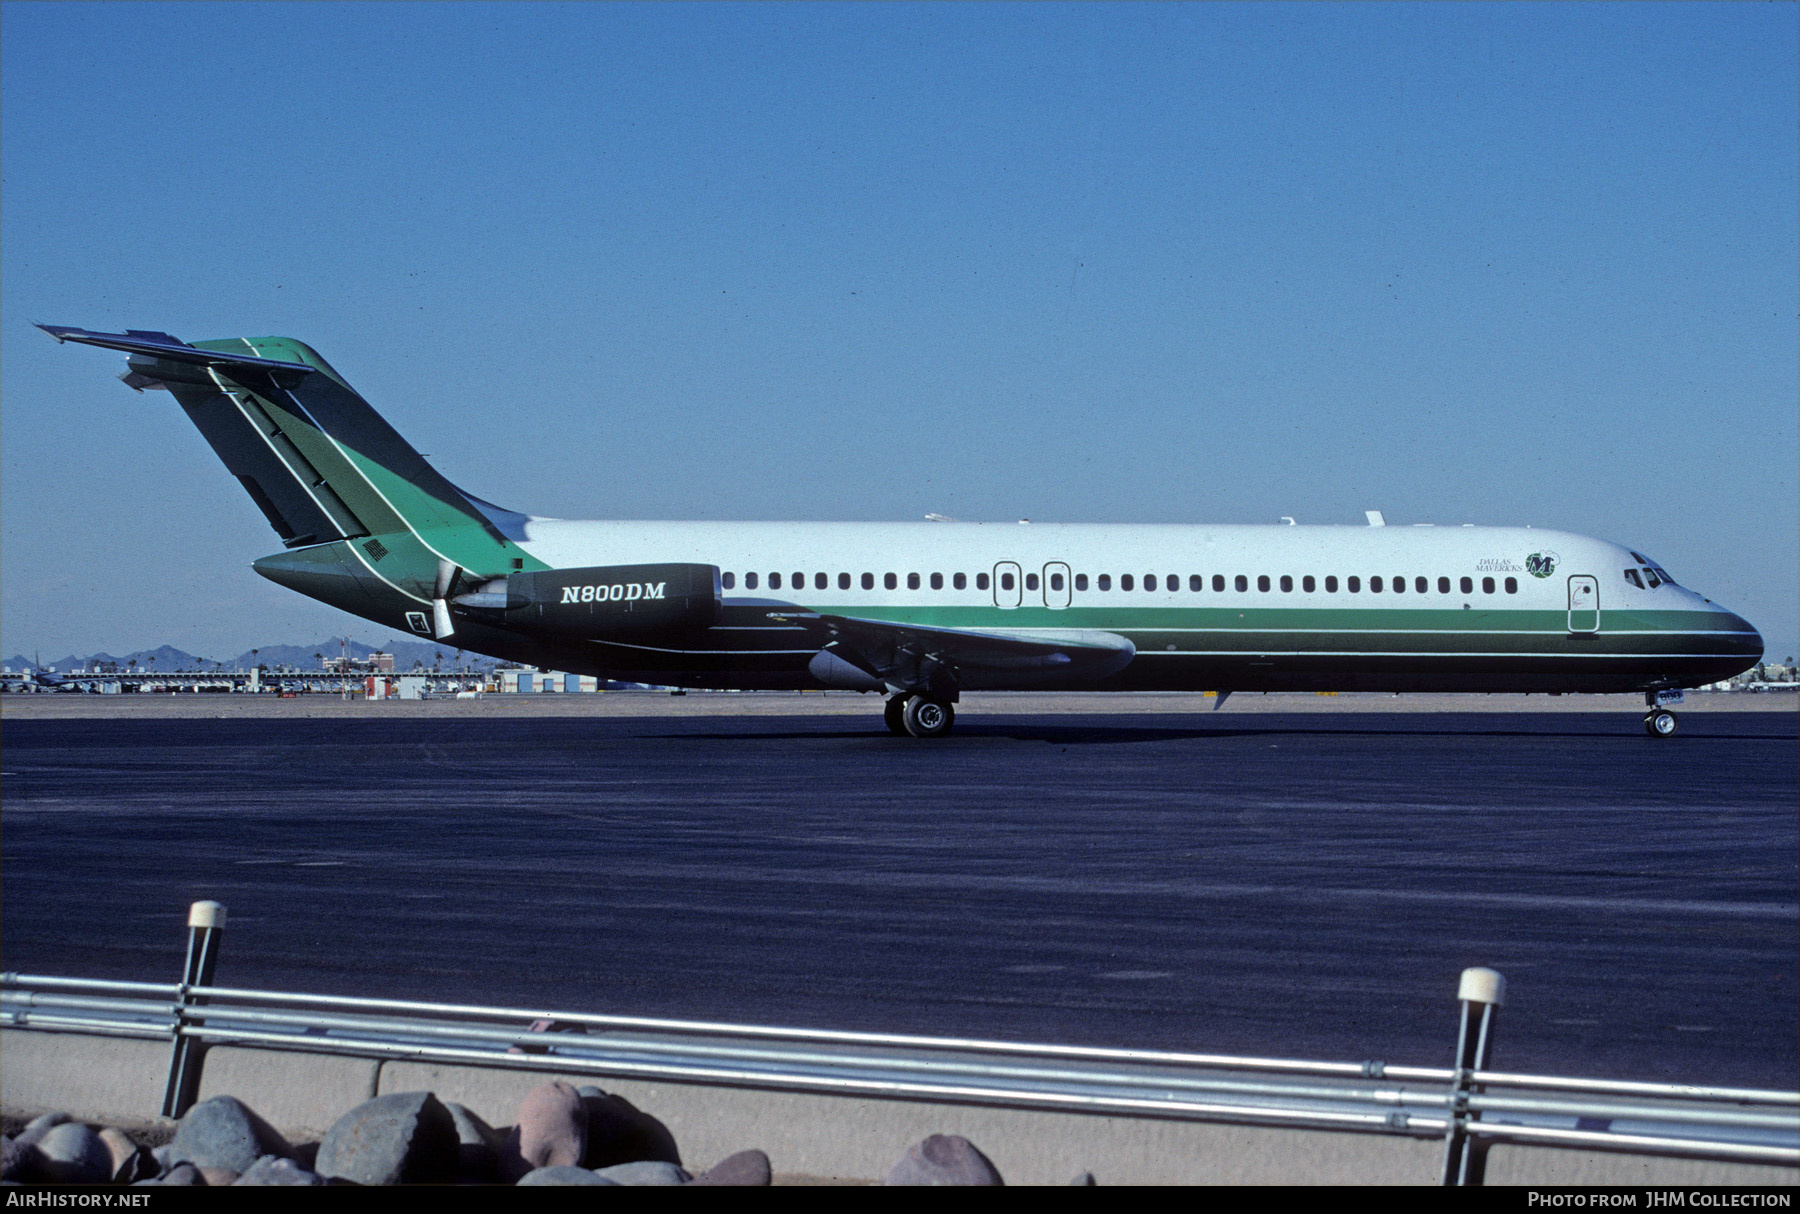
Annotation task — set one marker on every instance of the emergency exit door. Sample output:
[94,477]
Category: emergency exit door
[1009,587]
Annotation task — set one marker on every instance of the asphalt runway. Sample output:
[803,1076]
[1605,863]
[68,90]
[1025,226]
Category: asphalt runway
[1303,885]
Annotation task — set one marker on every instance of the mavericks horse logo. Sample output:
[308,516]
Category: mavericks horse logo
[1541,564]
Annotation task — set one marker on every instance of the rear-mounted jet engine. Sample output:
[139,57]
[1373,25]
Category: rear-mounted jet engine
[603,601]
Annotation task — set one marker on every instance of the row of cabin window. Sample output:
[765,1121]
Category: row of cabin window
[1104,582]
[822,581]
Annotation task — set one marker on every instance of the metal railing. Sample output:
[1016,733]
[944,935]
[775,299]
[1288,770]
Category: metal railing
[1468,1107]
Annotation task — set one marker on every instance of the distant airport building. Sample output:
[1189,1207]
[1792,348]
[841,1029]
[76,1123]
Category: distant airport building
[375,663]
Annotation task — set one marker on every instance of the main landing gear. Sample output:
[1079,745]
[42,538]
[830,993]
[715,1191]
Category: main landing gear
[919,716]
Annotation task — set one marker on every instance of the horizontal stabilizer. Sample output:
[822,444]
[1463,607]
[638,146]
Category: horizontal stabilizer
[170,349]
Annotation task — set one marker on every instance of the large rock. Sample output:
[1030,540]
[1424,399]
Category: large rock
[944,1159]
[562,1174]
[37,1127]
[405,1138]
[73,1153]
[620,1132]
[180,1174]
[552,1131]
[16,1160]
[22,1162]
[131,1163]
[273,1170]
[746,1168]
[478,1147]
[224,1133]
[645,1173]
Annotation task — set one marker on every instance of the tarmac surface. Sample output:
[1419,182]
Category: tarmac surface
[1291,876]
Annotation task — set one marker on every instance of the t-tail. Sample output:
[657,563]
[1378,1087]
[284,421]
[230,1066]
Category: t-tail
[348,496]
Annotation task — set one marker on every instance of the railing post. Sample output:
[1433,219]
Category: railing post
[1481,991]
[206,927]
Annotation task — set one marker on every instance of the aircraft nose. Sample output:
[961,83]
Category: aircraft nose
[1745,641]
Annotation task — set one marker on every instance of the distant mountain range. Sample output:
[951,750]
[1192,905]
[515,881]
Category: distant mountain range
[297,657]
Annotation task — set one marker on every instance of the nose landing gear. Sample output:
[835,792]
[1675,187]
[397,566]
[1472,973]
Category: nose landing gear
[920,716]
[1659,722]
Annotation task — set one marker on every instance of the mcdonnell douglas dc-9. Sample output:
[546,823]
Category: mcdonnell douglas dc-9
[921,612]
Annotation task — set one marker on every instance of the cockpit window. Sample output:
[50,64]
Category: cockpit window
[1661,573]
[1631,575]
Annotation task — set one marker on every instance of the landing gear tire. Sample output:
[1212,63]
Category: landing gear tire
[895,715]
[925,717]
[1661,723]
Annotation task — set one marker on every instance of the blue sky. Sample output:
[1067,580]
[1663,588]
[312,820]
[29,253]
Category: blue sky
[1461,263]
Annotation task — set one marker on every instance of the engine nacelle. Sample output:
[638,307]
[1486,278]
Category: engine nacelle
[615,600]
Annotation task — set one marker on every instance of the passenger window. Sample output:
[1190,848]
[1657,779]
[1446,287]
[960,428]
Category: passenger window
[1006,581]
[749,581]
[774,581]
[981,581]
[937,581]
[912,581]
[1468,586]
[1399,585]
[1487,585]
[1149,581]
[1218,581]
[799,581]
[960,581]
[1262,582]
[1241,582]
[1056,581]
[1443,585]
[890,581]
[820,581]
[1106,581]
[1353,585]
[1195,582]
[1307,584]
[1512,585]
[1374,585]
[1422,584]
[729,581]
[1287,584]
[1031,582]
[1081,581]
[868,581]
[1331,585]
[843,581]
[1631,575]
[1127,582]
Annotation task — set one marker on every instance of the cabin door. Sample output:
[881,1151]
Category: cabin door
[1008,585]
[1584,604]
[1056,585]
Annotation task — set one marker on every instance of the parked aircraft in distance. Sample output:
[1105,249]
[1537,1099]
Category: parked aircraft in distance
[921,612]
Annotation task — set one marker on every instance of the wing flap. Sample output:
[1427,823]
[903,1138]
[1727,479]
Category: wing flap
[917,657]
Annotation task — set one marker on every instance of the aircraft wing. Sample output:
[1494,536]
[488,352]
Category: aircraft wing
[921,657]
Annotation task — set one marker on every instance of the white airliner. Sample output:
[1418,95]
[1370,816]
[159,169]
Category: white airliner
[921,612]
